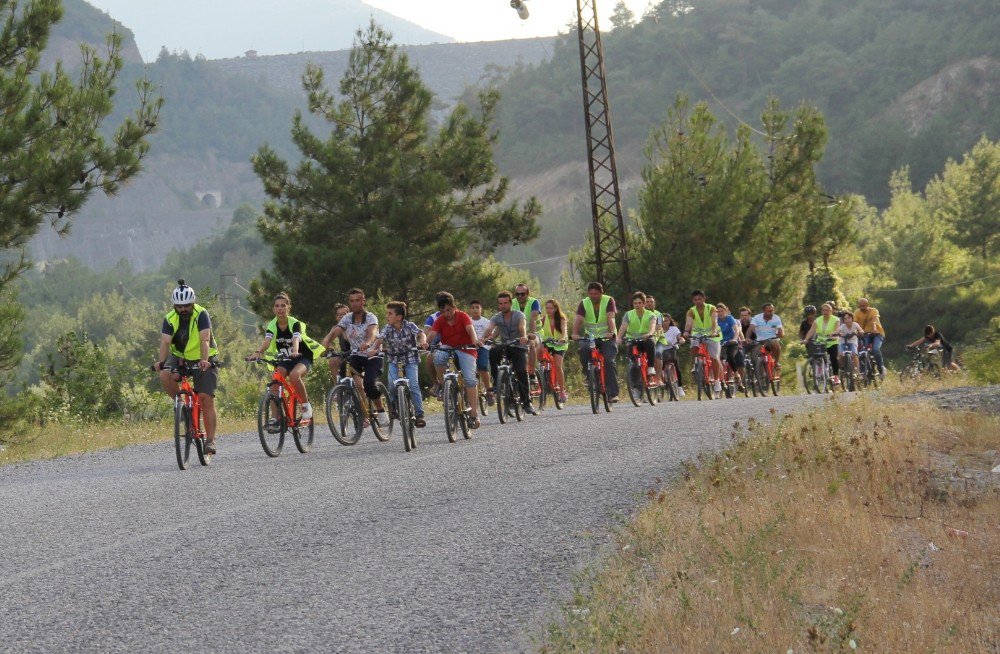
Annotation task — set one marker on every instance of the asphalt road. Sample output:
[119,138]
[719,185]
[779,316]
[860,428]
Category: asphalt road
[464,547]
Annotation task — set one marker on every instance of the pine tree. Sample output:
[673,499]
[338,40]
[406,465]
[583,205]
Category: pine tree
[383,202]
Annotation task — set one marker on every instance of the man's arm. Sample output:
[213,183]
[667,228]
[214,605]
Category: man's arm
[715,322]
[332,334]
[611,322]
[164,347]
[688,321]
[577,323]
[206,340]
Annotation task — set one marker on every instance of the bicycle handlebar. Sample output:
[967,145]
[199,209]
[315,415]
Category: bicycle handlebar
[183,366]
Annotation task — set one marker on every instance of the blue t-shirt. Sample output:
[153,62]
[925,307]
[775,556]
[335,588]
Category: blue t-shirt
[431,318]
[766,329]
[728,327]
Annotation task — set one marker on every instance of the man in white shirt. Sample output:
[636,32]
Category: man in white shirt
[767,326]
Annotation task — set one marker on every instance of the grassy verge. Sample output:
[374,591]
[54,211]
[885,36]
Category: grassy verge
[859,526]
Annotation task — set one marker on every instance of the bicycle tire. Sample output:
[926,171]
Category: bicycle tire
[182,436]
[483,406]
[500,397]
[592,389]
[809,377]
[634,383]
[605,399]
[650,394]
[404,412]
[699,378]
[332,408]
[545,387]
[451,417]
[670,375]
[535,383]
[272,434]
[848,376]
[346,421]
[464,415]
[204,458]
[302,435]
[383,432]
[556,394]
[515,399]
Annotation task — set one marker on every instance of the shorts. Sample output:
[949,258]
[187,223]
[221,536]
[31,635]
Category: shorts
[664,351]
[848,347]
[714,348]
[483,360]
[288,364]
[466,364]
[204,382]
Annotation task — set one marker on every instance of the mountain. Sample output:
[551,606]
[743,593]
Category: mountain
[82,23]
[228,28]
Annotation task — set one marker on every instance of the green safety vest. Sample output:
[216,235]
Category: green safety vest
[596,326]
[703,324]
[272,346]
[192,352]
[825,332]
[638,327]
[527,313]
[548,333]
[660,331]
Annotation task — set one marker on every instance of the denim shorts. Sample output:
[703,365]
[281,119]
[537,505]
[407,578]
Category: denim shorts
[466,363]
[483,360]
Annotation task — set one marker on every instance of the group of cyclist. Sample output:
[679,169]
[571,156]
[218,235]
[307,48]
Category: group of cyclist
[517,332]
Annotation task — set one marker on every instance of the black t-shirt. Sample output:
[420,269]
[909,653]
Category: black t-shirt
[937,336]
[284,341]
[180,337]
[804,328]
[745,326]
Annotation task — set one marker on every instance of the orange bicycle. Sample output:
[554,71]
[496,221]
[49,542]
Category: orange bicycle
[280,409]
[549,375]
[704,371]
[594,371]
[188,429]
[638,373]
[768,374]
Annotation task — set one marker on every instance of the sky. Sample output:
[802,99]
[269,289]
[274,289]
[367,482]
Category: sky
[160,22]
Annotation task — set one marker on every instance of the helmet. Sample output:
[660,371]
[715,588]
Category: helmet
[183,294]
[810,309]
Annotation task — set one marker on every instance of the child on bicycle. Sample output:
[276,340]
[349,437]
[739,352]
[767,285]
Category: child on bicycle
[398,339]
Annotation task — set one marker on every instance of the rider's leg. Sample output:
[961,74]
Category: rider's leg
[467,365]
[285,373]
[519,360]
[495,356]
[334,364]
[834,359]
[557,363]
[483,366]
[532,354]
[373,370]
[169,382]
[876,341]
[434,371]
[610,352]
[775,349]
[295,377]
[412,371]
[209,417]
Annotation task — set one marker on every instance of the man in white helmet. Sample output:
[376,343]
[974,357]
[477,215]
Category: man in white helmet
[186,336]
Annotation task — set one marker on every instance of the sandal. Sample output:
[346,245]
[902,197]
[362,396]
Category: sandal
[420,422]
[474,423]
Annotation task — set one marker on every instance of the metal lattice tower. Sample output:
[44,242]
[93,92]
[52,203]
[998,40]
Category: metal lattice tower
[610,246]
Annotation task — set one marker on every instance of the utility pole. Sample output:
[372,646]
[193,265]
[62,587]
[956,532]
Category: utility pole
[224,295]
[610,246]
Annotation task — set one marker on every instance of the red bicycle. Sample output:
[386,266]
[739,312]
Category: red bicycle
[704,371]
[549,374]
[670,378]
[188,430]
[280,409]
[728,377]
[638,377]
[768,374]
[596,386]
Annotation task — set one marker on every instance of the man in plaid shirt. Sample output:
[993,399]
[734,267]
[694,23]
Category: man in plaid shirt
[398,339]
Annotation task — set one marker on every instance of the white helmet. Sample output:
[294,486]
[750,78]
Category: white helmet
[183,294]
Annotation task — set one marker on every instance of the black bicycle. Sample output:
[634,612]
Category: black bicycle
[507,390]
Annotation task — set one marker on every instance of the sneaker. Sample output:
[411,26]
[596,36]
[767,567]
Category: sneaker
[491,398]
[530,410]
[210,446]
[382,418]
[680,391]
[307,411]
[420,422]
[883,372]
[563,397]
[718,387]
[613,399]
[651,371]
[836,380]
[474,423]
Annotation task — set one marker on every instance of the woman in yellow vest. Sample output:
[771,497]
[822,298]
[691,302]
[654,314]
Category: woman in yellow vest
[824,330]
[554,327]
[186,336]
[283,338]
[640,322]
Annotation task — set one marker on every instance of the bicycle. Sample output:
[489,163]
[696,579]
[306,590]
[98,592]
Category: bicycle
[866,365]
[848,375]
[728,377]
[280,410]
[401,406]
[507,391]
[187,418]
[768,375]
[818,373]
[750,383]
[549,378]
[670,382]
[597,388]
[637,375]
[704,382]
[924,361]
[456,414]
[347,408]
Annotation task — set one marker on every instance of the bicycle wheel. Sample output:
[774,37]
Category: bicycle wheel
[451,417]
[810,377]
[383,429]
[775,387]
[464,415]
[544,387]
[204,458]
[604,398]
[536,390]
[483,406]
[514,399]
[182,435]
[670,376]
[556,392]
[847,373]
[633,378]
[763,380]
[271,424]
[344,414]
[404,411]
[501,396]
[750,379]
[592,389]
[302,434]
[699,378]
[652,393]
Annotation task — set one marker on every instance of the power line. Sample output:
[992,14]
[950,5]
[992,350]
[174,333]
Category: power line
[528,263]
[705,86]
[928,288]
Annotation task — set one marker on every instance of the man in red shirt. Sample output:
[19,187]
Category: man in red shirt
[454,329]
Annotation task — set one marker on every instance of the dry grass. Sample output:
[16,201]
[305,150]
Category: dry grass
[862,526]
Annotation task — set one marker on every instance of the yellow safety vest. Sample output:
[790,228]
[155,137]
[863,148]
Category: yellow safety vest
[703,324]
[596,326]
[272,346]
[527,313]
[639,327]
[548,332]
[825,332]
[192,351]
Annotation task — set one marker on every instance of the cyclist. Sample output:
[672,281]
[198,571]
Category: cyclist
[483,355]
[338,367]
[703,319]
[511,326]
[283,338]
[871,323]
[732,336]
[186,335]
[809,319]
[454,329]
[435,386]
[672,340]
[360,328]
[936,341]
[554,327]
[532,310]
[640,322]
[399,337]
[659,343]
[596,315]
[824,330]
[767,326]
[849,331]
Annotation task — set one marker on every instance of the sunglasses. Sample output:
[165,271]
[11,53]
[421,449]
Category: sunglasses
[521,293]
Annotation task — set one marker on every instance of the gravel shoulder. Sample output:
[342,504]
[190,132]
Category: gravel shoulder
[456,547]
[981,399]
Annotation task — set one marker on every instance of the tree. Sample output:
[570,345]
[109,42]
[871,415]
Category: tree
[967,198]
[622,16]
[54,148]
[383,203]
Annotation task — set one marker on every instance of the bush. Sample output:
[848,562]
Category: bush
[981,359]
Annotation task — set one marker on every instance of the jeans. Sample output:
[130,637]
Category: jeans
[519,362]
[876,341]
[411,370]
[466,363]
[610,351]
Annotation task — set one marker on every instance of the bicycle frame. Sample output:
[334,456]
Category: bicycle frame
[640,359]
[187,397]
[288,396]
